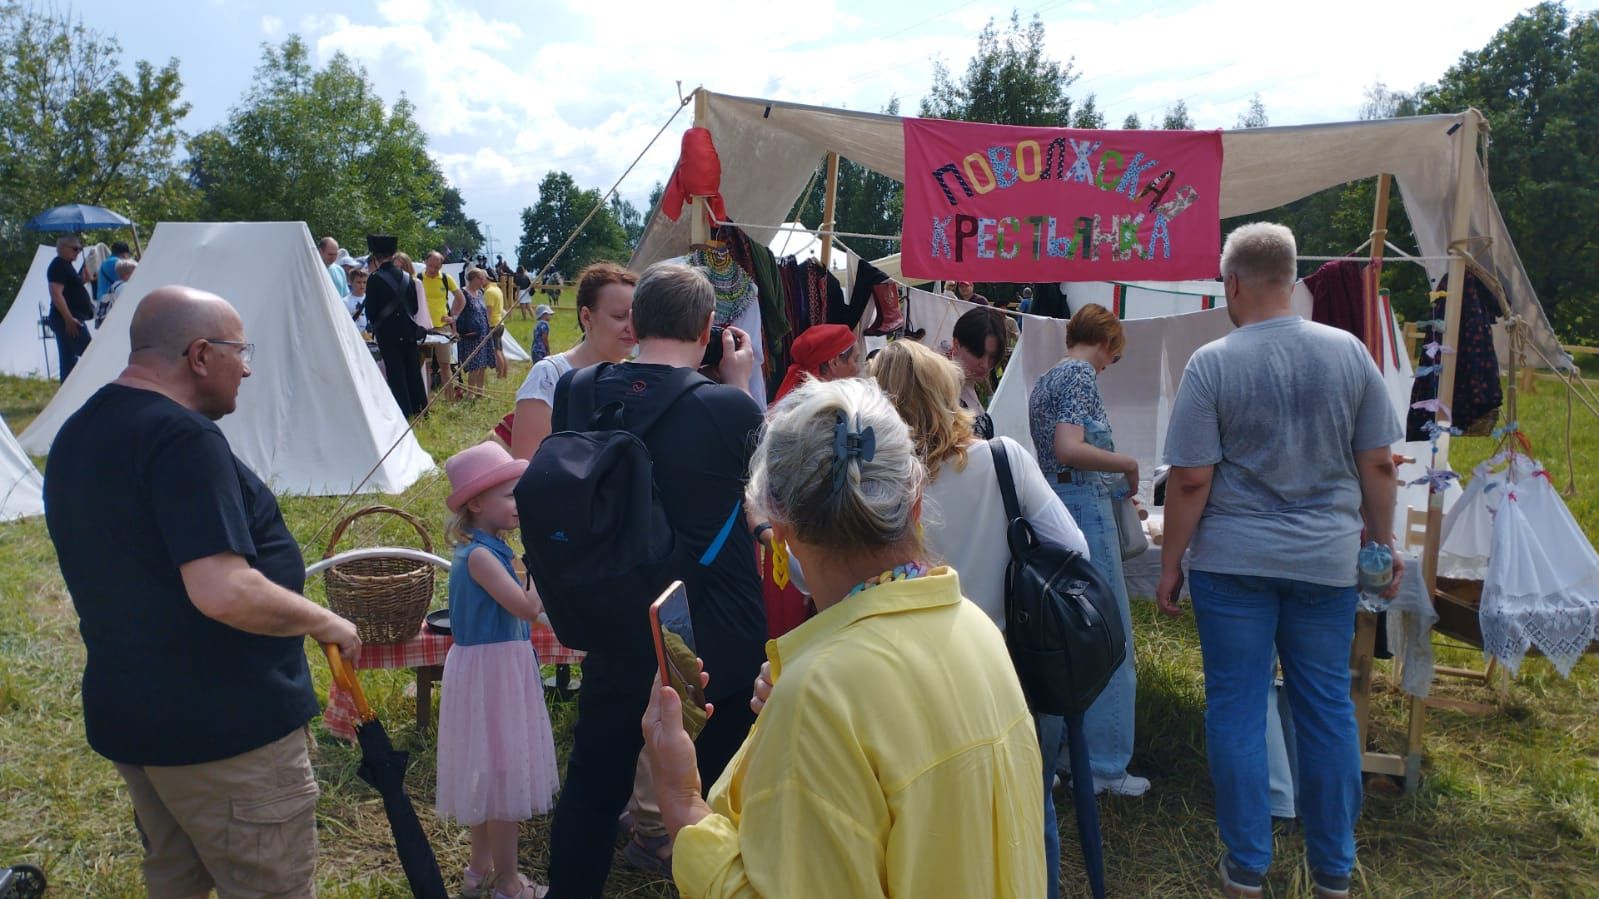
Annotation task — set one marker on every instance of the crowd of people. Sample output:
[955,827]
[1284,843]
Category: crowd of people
[895,752]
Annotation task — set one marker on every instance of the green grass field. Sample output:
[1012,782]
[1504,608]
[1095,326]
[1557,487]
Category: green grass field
[1509,804]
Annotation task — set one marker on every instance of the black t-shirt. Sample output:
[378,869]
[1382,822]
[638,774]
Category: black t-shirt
[701,450]
[77,295]
[137,485]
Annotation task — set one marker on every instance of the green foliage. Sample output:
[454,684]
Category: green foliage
[561,207]
[1536,82]
[457,234]
[1009,81]
[1177,118]
[1255,117]
[1131,123]
[74,128]
[1088,115]
[318,146]
[628,216]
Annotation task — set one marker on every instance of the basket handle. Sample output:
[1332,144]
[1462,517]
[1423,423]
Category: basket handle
[344,676]
[412,520]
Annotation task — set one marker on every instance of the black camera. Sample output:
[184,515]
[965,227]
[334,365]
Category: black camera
[713,349]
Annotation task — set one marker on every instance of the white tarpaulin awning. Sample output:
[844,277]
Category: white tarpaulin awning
[769,150]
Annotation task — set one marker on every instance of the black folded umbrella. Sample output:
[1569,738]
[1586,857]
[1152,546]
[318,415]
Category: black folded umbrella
[1086,805]
[383,767]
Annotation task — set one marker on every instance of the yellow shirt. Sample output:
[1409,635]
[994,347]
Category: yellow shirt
[494,302]
[896,757]
[439,297]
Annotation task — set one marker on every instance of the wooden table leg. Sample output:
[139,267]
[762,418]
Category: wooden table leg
[426,677]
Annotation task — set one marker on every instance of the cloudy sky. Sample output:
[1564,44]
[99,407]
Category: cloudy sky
[508,91]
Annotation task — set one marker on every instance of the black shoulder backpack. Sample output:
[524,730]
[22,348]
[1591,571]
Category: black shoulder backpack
[597,540]
[1063,626]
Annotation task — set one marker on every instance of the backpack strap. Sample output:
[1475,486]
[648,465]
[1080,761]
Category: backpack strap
[581,392]
[1007,484]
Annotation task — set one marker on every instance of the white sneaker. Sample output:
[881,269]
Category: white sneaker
[1124,785]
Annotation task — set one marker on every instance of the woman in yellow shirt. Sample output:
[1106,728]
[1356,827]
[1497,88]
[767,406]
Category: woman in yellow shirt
[895,755]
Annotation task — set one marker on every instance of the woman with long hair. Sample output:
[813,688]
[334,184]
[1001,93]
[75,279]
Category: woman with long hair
[964,521]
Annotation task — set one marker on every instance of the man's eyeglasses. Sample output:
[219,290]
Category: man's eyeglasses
[246,350]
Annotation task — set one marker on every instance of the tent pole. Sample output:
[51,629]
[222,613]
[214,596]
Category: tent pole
[138,251]
[1375,326]
[699,229]
[829,198]
[1459,232]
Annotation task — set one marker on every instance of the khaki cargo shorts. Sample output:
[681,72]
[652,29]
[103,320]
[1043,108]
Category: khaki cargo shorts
[244,826]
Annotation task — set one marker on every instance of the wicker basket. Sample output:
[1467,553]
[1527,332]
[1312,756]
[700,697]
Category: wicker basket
[384,598]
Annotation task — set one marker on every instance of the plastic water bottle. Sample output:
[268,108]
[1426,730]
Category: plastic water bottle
[1376,573]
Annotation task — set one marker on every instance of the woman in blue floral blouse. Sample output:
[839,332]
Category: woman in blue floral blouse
[1072,438]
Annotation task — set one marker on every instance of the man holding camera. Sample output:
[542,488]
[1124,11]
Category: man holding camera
[701,449]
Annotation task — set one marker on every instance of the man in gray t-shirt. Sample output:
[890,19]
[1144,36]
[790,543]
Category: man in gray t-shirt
[1280,451]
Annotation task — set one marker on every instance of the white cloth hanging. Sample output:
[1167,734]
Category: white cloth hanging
[1542,587]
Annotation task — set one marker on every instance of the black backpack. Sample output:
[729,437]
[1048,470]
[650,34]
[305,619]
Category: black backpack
[597,541]
[1063,626]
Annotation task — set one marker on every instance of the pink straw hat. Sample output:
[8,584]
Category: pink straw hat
[472,471]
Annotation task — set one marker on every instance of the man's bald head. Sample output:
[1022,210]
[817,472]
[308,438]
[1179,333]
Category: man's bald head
[171,318]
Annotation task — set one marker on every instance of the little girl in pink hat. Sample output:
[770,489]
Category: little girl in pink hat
[496,752]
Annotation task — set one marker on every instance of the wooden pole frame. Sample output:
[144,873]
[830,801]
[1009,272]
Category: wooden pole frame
[829,201]
[699,226]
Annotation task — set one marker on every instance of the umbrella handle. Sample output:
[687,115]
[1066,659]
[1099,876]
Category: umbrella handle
[344,676]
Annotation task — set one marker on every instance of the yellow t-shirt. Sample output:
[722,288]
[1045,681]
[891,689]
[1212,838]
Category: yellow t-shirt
[494,302]
[440,290]
[895,757]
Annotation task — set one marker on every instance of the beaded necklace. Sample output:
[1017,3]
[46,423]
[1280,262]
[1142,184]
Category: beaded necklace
[906,572]
[734,288]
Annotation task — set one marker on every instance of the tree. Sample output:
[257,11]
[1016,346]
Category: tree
[318,146]
[1536,81]
[629,218]
[1088,115]
[1131,123]
[867,202]
[456,234]
[1255,116]
[1382,103]
[76,129]
[1177,118]
[1010,81]
[561,207]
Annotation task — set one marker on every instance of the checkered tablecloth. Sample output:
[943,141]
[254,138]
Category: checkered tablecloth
[426,649]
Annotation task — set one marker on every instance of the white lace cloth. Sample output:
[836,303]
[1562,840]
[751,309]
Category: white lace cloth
[1542,584]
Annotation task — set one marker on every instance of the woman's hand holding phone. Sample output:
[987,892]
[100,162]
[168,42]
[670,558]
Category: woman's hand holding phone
[673,761]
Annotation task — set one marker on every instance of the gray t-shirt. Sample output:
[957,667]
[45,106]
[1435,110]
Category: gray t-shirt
[1280,408]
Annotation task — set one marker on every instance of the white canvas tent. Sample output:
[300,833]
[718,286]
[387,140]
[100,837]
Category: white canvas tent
[794,239]
[22,353]
[21,486]
[314,416]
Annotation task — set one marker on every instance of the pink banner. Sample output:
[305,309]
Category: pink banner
[1018,204]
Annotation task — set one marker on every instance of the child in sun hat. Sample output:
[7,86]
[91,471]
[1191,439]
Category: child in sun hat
[496,752]
[541,333]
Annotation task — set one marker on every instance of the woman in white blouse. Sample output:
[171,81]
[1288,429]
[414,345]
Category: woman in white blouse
[965,520]
[605,314]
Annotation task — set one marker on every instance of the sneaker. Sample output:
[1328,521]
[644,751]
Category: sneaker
[475,885]
[1236,883]
[1329,886]
[1123,785]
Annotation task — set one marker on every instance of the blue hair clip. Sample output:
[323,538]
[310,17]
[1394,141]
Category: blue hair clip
[860,445]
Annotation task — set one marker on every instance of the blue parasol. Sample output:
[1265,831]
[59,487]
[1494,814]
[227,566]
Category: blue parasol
[77,217]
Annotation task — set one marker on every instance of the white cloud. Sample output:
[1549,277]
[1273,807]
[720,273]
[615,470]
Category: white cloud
[582,86]
[271,26]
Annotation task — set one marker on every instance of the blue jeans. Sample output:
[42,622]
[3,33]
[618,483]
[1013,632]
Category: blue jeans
[1051,728]
[1242,620]
[1108,724]
[69,349]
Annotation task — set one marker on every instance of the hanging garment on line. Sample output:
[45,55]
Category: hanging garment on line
[1478,394]
[1338,296]
[735,289]
[870,286]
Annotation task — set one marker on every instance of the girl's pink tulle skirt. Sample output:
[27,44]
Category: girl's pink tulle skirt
[496,752]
